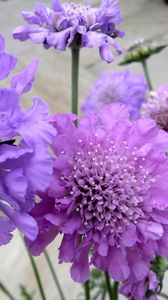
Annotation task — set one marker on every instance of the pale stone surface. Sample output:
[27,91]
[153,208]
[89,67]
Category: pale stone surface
[142,18]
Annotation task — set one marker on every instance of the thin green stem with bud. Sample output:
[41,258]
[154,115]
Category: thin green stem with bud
[62,297]
[146,72]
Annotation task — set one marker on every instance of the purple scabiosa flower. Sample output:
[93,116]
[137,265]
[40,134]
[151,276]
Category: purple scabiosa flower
[157,107]
[25,163]
[108,194]
[120,86]
[73,23]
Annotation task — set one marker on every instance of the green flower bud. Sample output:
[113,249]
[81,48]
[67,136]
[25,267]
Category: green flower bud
[141,50]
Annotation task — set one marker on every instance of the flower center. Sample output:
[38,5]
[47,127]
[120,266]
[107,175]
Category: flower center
[107,186]
[77,10]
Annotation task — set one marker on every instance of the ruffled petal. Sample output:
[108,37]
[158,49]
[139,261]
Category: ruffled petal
[10,113]
[129,237]
[7,64]
[37,129]
[22,32]
[56,6]
[71,225]
[6,227]
[22,82]
[2,43]
[118,267]
[24,222]
[61,40]
[80,268]
[44,238]
[17,184]
[68,242]
[40,174]
[150,230]
[106,53]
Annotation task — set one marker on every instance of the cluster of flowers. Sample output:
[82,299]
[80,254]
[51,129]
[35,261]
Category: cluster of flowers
[105,190]
[25,163]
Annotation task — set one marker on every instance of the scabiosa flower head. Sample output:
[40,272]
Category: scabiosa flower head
[25,163]
[107,195]
[157,107]
[140,50]
[74,24]
[120,86]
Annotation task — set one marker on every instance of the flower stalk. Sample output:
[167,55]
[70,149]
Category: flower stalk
[37,276]
[75,75]
[146,72]
[54,275]
[115,290]
[36,273]
[5,290]
[87,290]
[109,288]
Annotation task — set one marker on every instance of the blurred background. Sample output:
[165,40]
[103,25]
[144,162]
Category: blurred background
[141,18]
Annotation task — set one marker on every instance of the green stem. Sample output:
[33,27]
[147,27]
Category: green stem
[115,290]
[6,291]
[75,75]
[146,72]
[164,295]
[62,297]
[37,276]
[109,288]
[87,290]
[103,295]
[36,273]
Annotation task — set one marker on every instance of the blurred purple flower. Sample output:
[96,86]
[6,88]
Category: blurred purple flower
[119,86]
[157,107]
[25,163]
[73,23]
[107,195]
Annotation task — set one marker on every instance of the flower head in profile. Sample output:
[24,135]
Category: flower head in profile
[119,86]
[157,107]
[25,163]
[140,50]
[107,196]
[73,24]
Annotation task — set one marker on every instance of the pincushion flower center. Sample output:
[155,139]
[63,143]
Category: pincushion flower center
[108,186]
[80,11]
